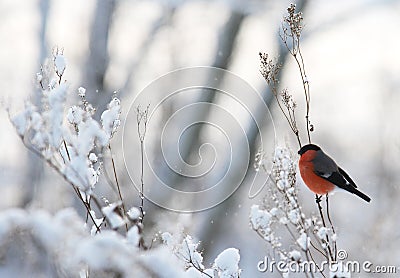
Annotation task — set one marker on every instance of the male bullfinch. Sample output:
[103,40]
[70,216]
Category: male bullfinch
[322,175]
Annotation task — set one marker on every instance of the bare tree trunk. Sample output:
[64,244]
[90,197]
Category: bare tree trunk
[162,21]
[35,165]
[97,63]
[213,232]
[222,57]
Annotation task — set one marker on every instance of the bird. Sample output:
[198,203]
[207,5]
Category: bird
[322,175]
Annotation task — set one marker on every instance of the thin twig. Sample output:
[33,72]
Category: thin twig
[117,183]
[66,150]
[190,261]
[318,201]
[75,187]
[306,89]
[142,118]
[142,180]
[319,269]
[308,259]
[332,227]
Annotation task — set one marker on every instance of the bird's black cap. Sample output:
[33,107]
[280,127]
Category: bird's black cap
[308,148]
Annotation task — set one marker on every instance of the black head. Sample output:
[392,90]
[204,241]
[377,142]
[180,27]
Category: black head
[308,148]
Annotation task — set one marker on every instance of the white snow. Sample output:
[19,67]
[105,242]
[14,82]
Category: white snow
[295,255]
[279,153]
[188,250]
[22,120]
[294,216]
[89,132]
[113,218]
[133,236]
[79,170]
[106,250]
[39,77]
[92,176]
[167,239]
[282,184]
[93,157]
[133,213]
[274,211]
[259,219]
[110,118]
[56,98]
[162,263]
[185,249]
[81,92]
[60,64]
[303,241]
[227,263]
[322,232]
[283,220]
[75,115]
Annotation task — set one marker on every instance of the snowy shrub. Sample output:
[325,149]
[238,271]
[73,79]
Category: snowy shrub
[281,221]
[226,265]
[110,243]
[294,236]
[37,244]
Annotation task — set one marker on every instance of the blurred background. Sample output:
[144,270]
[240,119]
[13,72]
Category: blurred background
[350,50]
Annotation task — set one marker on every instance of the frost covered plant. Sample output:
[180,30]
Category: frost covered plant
[70,140]
[142,120]
[226,265]
[73,143]
[310,235]
[37,244]
[293,236]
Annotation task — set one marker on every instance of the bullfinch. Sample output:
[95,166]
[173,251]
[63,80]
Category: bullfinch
[322,175]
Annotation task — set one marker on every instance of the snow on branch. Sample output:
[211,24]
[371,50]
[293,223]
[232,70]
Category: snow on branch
[281,221]
[72,142]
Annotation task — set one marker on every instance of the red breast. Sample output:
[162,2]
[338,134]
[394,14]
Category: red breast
[314,182]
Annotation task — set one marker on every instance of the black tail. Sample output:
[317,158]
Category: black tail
[352,186]
[361,195]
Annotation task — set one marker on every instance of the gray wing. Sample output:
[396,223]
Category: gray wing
[324,166]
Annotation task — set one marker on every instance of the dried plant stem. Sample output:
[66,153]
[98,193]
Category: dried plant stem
[319,269]
[86,203]
[66,150]
[92,197]
[292,27]
[318,201]
[190,261]
[269,70]
[332,227]
[142,118]
[291,119]
[142,180]
[117,183]
[57,169]
[306,88]
[318,250]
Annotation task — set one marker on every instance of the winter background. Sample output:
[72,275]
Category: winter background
[351,56]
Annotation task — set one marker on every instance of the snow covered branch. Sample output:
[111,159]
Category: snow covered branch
[281,221]
[73,143]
